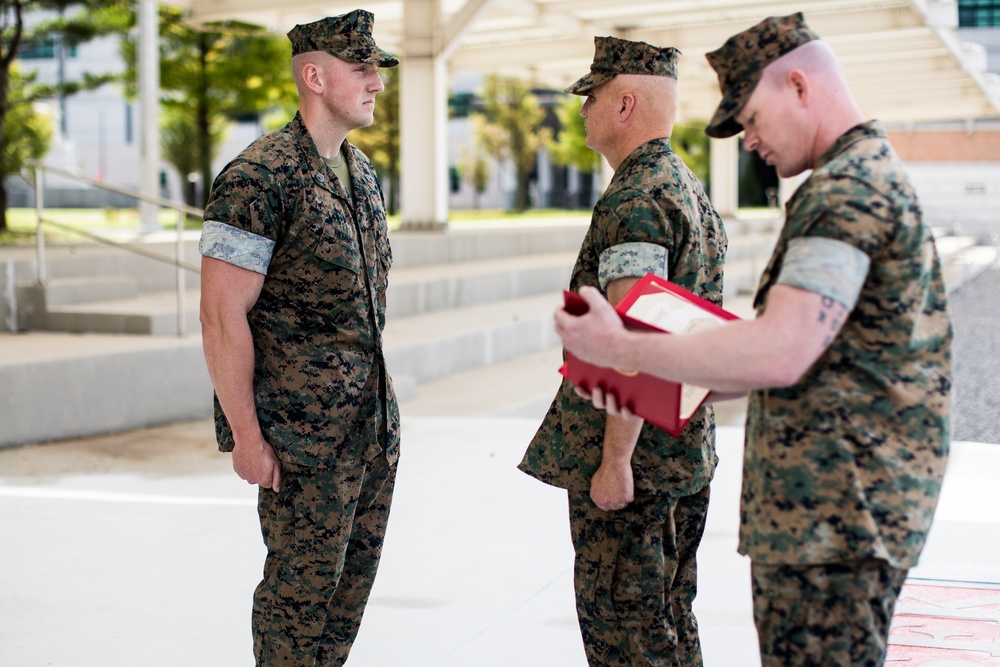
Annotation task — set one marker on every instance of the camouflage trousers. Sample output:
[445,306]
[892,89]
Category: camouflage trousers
[825,615]
[323,532]
[636,577]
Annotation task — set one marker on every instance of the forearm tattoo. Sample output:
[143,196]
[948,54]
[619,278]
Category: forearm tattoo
[831,311]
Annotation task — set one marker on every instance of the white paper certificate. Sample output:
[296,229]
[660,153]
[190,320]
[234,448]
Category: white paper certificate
[671,313]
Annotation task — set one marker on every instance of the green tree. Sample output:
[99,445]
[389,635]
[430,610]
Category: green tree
[691,143]
[29,133]
[69,24]
[380,140]
[182,147]
[570,147]
[213,75]
[475,168]
[510,128]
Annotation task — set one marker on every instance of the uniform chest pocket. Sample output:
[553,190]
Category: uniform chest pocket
[335,244]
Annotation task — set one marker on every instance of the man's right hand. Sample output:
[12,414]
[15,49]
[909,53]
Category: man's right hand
[255,461]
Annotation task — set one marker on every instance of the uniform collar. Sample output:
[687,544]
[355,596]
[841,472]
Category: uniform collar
[321,174]
[651,147]
[867,130]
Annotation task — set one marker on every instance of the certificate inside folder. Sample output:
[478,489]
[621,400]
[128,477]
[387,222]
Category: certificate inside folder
[656,305]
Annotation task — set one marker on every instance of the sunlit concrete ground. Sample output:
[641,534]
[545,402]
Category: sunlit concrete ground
[143,549]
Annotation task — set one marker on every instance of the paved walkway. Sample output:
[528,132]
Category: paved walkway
[975,309]
[142,549]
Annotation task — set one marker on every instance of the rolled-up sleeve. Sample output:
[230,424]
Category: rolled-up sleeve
[236,246]
[825,266]
[632,260]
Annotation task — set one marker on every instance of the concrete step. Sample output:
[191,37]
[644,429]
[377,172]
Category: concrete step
[434,345]
[60,385]
[417,290]
[483,241]
[153,313]
[62,291]
[412,291]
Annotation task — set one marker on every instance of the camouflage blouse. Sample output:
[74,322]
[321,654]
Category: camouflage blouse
[848,462]
[654,217]
[320,384]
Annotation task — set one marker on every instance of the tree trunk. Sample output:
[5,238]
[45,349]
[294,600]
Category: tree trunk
[3,205]
[4,91]
[523,200]
[190,192]
[204,124]
[393,175]
[393,204]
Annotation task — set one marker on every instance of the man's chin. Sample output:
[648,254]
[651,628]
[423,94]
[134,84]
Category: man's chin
[788,172]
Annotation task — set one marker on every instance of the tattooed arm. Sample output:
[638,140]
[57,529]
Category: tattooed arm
[774,350]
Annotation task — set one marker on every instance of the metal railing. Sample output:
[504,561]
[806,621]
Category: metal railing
[182,210]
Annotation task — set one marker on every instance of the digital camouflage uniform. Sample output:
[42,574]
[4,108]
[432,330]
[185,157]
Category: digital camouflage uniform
[635,572]
[842,470]
[324,399]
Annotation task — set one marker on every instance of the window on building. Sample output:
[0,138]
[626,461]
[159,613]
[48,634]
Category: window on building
[43,48]
[460,104]
[979,13]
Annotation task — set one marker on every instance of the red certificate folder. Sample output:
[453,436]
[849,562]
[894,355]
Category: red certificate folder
[658,305]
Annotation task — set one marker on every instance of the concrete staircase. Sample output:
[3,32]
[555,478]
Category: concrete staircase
[459,300]
[469,328]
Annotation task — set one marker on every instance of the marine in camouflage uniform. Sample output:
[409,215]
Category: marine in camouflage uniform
[636,572]
[843,468]
[318,242]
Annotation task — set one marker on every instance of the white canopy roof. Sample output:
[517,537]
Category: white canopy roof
[900,56]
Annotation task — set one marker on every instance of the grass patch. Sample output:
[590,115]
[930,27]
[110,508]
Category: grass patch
[22,225]
[113,221]
[470,217]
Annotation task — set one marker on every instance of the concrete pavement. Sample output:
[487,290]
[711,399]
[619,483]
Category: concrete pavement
[143,549]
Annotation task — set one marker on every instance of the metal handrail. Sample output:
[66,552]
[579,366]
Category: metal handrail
[182,209]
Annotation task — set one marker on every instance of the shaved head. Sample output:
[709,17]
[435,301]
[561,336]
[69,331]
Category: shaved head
[815,59]
[656,96]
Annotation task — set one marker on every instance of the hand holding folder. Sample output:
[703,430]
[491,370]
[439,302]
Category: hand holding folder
[655,305]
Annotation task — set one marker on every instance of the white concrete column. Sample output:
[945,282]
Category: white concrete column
[149,111]
[724,173]
[607,174]
[423,138]
[788,186]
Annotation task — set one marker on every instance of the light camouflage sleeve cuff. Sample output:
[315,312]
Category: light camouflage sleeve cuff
[236,246]
[825,266]
[632,260]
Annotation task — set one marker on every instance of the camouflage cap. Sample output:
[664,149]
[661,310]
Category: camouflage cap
[614,56]
[348,36]
[740,62]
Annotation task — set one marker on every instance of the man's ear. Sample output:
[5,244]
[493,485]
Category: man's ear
[627,106]
[799,83]
[312,77]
